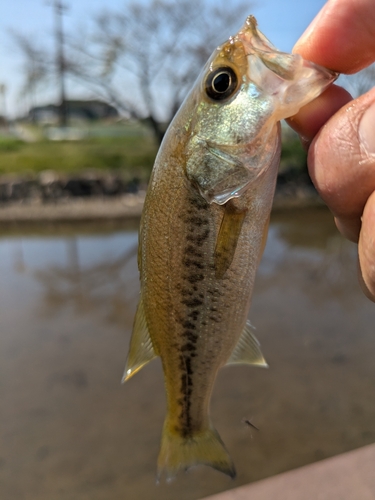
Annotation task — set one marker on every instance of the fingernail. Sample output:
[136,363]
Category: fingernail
[367,130]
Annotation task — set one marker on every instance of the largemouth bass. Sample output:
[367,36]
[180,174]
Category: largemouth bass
[203,230]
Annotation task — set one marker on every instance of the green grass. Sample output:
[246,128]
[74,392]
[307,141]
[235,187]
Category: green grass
[293,156]
[129,156]
[9,144]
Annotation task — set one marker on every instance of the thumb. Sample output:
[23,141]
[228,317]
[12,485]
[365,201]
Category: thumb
[342,166]
[366,249]
[341,162]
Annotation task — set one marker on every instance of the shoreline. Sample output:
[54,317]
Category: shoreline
[80,209]
[126,206]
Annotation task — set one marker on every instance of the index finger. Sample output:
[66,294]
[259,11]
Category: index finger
[341,37]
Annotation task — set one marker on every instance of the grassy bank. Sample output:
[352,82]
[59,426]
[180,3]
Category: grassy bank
[130,156]
[130,153]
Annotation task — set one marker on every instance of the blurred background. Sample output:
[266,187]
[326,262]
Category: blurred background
[87,90]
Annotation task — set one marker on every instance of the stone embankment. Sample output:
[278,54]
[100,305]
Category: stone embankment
[49,186]
[53,197]
[102,196]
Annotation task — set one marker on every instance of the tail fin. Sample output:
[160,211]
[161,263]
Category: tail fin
[180,453]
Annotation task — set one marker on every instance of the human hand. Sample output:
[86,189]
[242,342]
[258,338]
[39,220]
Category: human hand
[341,131]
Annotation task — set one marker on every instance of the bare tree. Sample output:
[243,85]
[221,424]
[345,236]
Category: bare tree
[41,66]
[37,65]
[144,58]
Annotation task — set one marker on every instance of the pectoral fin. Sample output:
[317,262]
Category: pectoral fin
[247,350]
[141,350]
[227,239]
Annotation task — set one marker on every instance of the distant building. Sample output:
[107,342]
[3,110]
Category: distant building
[77,111]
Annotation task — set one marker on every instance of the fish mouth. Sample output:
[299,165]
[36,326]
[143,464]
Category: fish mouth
[253,40]
[289,78]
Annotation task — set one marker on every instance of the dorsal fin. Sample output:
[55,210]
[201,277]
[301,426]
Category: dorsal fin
[247,350]
[141,350]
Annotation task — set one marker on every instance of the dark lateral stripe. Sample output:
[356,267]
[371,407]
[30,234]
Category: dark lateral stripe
[197,231]
[194,302]
[186,379]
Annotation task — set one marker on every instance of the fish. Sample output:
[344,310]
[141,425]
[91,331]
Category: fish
[203,230]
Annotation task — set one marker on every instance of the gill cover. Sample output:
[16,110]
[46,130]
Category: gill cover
[247,87]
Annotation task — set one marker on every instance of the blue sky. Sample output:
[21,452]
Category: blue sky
[282,21]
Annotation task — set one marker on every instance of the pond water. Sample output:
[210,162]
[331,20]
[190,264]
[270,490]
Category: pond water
[70,431]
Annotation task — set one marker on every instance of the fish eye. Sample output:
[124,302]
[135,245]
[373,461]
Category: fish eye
[221,83]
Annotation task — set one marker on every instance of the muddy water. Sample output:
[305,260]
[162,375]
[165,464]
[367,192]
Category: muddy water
[70,431]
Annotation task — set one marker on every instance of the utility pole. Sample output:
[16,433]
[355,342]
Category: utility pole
[60,61]
[3,111]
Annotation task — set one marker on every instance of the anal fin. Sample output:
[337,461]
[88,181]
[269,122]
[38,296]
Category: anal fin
[247,350]
[141,350]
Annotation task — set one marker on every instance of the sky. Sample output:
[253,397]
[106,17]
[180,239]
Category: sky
[282,21]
